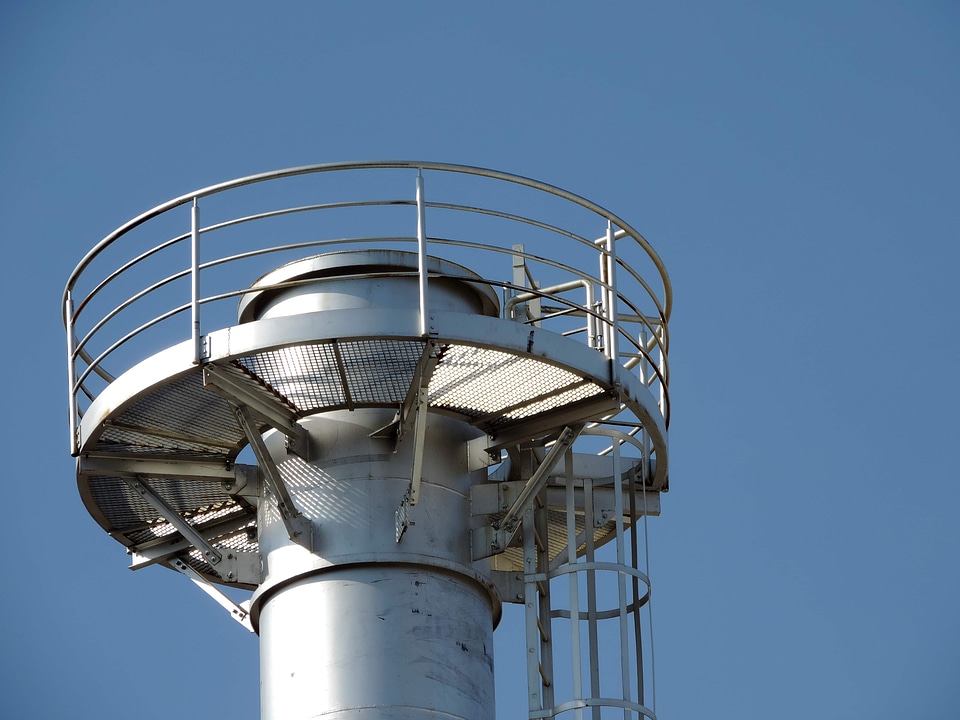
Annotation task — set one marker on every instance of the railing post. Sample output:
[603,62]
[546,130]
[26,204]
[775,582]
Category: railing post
[422,256]
[662,365]
[613,339]
[71,371]
[592,339]
[195,281]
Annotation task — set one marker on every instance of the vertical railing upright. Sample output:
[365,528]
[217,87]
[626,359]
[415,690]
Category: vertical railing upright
[613,347]
[662,365]
[195,281]
[422,256]
[71,371]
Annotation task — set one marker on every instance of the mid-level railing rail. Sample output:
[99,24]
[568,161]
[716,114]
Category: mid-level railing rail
[561,262]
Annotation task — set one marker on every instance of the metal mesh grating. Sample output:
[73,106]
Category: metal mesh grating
[473,381]
[479,382]
[239,541]
[553,401]
[512,558]
[160,528]
[306,375]
[380,371]
[194,558]
[181,417]
[124,508]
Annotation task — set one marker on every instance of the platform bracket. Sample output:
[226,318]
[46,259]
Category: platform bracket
[409,412]
[413,415]
[496,537]
[514,515]
[273,412]
[402,516]
[298,527]
[480,455]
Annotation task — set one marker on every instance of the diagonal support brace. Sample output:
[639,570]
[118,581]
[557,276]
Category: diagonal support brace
[413,415]
[419,438]
[298,528]
[238,612]
[414,411]
[500,534]
[142,487]
[162,549]
[276,414]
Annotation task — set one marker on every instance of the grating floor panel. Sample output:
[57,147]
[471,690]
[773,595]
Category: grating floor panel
[380,371]
[183,419]
[306,375]
[181,416]
[512,558]
[124,508]
[478,382]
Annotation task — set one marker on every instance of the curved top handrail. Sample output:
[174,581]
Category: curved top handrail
[77,300]
[369,165]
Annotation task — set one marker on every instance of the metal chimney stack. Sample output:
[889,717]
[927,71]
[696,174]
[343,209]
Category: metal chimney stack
[431,426]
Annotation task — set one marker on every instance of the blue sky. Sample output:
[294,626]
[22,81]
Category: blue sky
[795,165]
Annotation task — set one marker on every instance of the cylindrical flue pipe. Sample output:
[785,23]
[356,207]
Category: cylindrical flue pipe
[356,622]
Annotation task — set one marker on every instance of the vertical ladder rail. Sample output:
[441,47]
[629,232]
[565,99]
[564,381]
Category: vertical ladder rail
[545,608]
[534,681]
[593,630]
[574,583]
[634,541]
[621,578]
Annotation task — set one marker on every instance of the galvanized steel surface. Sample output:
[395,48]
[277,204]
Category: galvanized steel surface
[391,380]
[108,328]
[363,625]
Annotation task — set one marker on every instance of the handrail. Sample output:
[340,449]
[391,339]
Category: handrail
[617,281]
[408,164]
